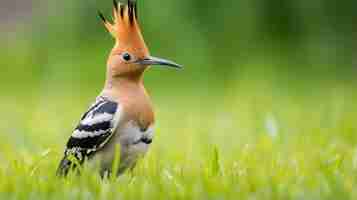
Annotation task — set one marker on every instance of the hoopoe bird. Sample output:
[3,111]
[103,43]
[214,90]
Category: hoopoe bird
[122,114]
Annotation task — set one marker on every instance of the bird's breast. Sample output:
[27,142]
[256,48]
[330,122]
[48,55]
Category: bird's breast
[132,141]
[131,134]
[137,107]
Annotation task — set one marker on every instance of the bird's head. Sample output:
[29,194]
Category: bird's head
[130,55]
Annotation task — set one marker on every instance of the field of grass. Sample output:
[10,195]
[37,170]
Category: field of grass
[260,138]
[266,107]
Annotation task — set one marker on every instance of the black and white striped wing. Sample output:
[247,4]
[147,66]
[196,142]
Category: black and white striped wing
[94,130]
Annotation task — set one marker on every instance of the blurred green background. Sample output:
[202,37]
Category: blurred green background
[237,55]
[253,69]
[64,44]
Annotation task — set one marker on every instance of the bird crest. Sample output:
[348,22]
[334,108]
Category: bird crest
[125,27]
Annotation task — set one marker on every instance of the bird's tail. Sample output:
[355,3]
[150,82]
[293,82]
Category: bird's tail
[65,166]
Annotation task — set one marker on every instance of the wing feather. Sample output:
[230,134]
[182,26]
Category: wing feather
[94,130]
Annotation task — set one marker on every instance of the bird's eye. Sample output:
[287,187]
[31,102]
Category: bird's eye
[126,56]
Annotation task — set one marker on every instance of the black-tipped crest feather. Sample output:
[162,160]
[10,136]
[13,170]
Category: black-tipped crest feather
[136,11]
[100,14]
[131,11]
[122,9]
[115,3]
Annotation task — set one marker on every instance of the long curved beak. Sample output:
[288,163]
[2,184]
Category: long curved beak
[159,61]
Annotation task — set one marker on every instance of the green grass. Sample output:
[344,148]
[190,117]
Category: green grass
[254,139]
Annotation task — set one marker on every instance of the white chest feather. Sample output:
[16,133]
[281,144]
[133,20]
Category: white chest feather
[131,134]
[133,141]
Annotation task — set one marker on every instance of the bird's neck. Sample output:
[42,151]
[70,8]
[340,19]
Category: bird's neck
[131,94]
[117,86]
